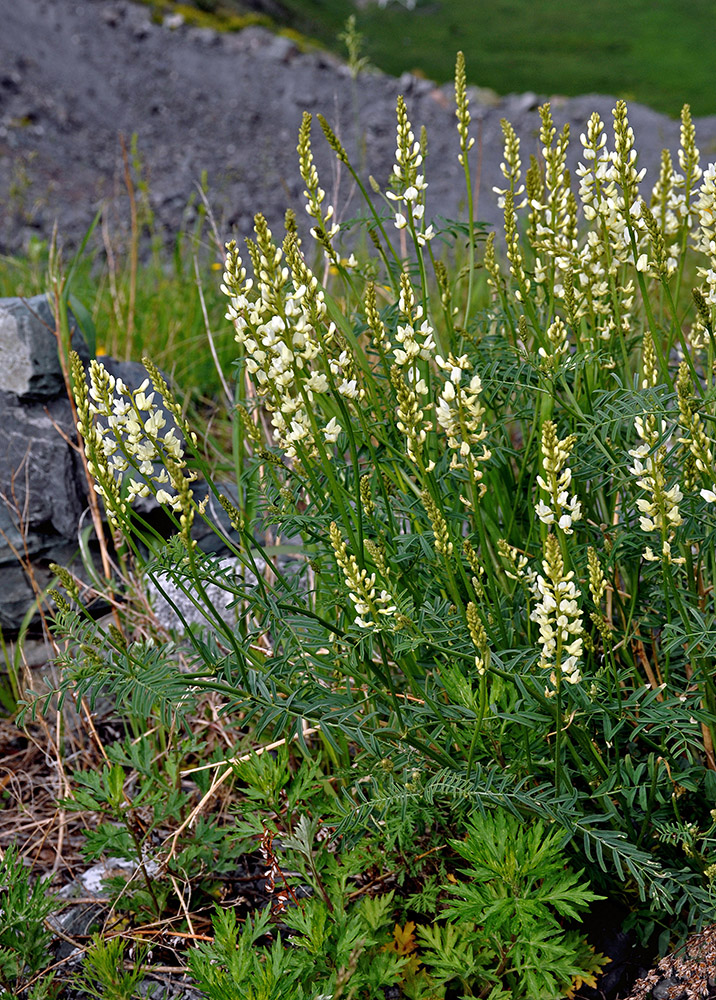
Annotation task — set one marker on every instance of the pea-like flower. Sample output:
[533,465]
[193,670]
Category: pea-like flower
[558,615]
[331,431]
[564,510]
[372,608]
[460,413]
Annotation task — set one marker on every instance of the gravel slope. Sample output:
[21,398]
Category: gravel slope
[75,74]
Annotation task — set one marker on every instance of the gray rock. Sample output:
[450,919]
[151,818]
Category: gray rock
[281,49]
[42,497]
[669,989]
[29,361]
[43,490]
[175,609]
[518,104]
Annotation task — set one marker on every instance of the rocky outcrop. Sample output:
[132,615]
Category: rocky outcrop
[42,495]
[77,75]
[43,490]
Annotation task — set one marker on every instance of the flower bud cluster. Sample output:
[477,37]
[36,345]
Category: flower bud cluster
[624,156]
[517,563]
[656,263]
[492,268]
[511,169]
[554,219]
[325,228]
[679,209]
[534,185]
[558,342]
[462,110]
[410,419]
[595,181]
[366,495]
[597,581]
[514,250]
[479,638]
[376,325]
[558,615]
[370,606]
[695,440]
[441,532]
[564,510]
[669,203]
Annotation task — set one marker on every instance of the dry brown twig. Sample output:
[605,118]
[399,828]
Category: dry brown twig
[218,781]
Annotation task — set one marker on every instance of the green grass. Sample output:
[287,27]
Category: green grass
[655,53]
[167,320]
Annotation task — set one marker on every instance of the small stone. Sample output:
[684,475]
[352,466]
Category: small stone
[10,82]
[520,103]
[280,48]
[111,16]
[668,989]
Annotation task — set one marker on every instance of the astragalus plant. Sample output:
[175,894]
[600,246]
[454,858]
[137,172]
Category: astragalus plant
[498,473]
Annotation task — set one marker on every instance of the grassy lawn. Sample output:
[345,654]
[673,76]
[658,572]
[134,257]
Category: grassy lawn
[656,53]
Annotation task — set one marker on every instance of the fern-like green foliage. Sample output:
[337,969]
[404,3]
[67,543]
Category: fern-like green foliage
[517,889]
[328,949]
[502,932]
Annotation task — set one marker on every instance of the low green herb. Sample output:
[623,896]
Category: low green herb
[25,905]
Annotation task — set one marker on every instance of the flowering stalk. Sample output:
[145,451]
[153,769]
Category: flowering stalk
[372,608]
[555,215]
[482,664]
[561,635]
[462,113]
[660,510]
[689,157]
[559,618]
[124,431]
[340,152]
[409,188]
[326,227]
[461,416]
